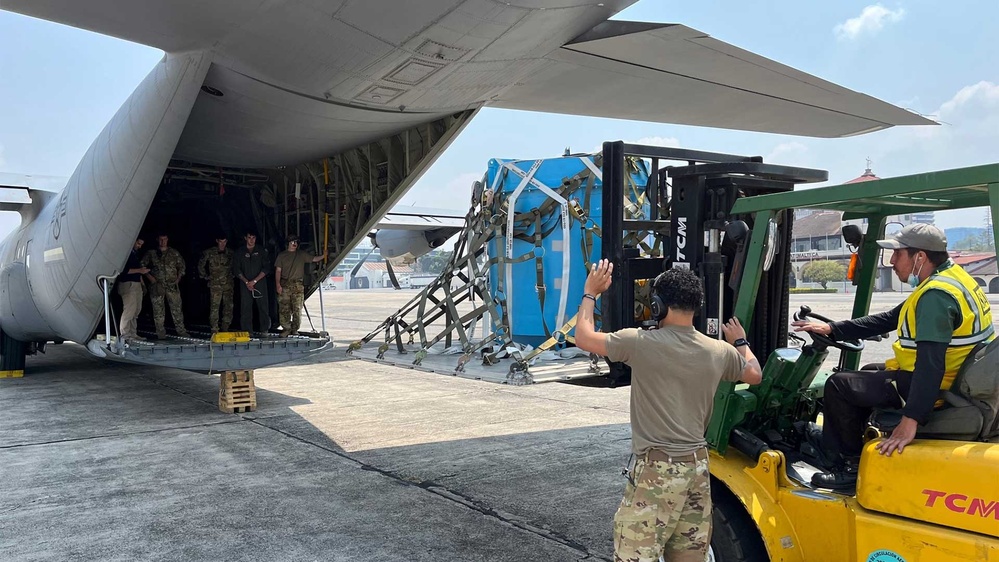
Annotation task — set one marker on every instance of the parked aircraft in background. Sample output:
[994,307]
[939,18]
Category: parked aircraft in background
[314,118]
[406,233]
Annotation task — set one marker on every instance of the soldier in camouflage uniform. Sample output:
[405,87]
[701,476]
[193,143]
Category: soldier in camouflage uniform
[289,275]
[166,267]
[215,266]
[675,371]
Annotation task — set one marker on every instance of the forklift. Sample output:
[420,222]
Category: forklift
[729,219]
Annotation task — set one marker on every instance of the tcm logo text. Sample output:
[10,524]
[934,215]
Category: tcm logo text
[960,503]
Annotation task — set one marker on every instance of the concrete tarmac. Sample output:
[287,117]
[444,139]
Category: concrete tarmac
[343,460]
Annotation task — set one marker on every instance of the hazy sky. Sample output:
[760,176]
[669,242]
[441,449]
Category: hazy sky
[60,86]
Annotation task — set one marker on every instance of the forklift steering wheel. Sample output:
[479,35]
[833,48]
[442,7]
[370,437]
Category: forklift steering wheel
[846,345]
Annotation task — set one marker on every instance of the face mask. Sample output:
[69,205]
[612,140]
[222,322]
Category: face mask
[914,276]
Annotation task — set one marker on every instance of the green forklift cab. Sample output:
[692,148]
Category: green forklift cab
[764,507]
[792,381]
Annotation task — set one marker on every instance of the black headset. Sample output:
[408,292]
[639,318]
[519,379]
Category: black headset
[657,307]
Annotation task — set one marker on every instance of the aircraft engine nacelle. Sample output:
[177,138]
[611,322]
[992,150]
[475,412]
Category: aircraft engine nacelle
[395,243]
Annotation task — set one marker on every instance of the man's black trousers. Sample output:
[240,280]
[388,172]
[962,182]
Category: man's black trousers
[246,304]
[849,398]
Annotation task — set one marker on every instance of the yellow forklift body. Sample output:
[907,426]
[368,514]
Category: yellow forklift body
[803,524]
[922,484]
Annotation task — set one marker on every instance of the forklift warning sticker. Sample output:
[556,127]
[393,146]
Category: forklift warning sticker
[884,556]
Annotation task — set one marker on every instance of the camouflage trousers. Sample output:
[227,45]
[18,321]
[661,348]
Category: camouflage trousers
[159,293]
[666,511]
[290,303]
[221,293]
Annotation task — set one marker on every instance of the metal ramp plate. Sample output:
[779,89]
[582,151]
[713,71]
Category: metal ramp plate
[201,355]
[446,364]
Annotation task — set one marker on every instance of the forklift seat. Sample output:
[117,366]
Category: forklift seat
[971,408]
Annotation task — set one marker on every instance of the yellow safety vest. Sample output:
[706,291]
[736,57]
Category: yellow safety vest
[976,323]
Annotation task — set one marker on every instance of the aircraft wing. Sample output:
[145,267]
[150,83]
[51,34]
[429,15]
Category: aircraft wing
[671,73]
[12,198]
[26,194]
[419,218]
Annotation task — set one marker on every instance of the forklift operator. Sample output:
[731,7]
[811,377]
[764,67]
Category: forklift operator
[938,325]
[675,371]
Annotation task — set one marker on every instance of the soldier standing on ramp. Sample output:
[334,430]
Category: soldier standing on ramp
[215,266]
[130,289]
[289,275]
[249,265]
[166,267]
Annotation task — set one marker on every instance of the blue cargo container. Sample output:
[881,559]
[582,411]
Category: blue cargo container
[562,264]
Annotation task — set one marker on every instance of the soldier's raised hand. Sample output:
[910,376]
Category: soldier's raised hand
[599,278]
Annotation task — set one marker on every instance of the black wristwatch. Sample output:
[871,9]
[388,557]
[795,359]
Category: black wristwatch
[740,342]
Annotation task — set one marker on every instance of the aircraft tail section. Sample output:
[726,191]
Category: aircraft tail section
[89,229]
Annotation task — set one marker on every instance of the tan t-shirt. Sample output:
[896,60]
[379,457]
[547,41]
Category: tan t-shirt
[675,371]
[292,264]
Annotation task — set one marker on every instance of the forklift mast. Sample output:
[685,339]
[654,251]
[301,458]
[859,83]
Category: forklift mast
[690,210]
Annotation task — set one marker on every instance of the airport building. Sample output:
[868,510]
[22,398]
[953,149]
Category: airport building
[818,235]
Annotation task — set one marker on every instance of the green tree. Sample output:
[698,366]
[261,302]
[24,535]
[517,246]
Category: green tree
[987,239]
[823,271]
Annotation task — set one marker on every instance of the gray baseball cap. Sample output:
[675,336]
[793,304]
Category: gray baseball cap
[920,236]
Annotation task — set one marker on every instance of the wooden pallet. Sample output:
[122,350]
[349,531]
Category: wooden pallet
[237,394]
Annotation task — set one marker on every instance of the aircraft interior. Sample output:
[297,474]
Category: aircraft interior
[332,202]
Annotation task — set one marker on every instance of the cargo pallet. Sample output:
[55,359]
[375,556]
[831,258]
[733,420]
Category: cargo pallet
[237,394]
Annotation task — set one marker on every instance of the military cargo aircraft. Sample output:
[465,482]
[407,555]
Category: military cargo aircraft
[314,118]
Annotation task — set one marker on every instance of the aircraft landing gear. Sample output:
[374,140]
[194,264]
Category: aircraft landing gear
[12,353]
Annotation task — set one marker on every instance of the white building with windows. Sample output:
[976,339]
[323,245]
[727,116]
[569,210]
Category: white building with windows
[818,235]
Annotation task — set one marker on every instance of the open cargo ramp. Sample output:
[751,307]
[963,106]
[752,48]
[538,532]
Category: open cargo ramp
[203,355]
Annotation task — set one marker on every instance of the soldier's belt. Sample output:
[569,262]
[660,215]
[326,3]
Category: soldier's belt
[284,280]
[653,455]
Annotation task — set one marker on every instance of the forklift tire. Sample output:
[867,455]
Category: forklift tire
[734,536]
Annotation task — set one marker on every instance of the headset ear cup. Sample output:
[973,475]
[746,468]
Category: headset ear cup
[657,308]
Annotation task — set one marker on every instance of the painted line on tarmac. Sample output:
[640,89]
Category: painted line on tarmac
[121,434]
